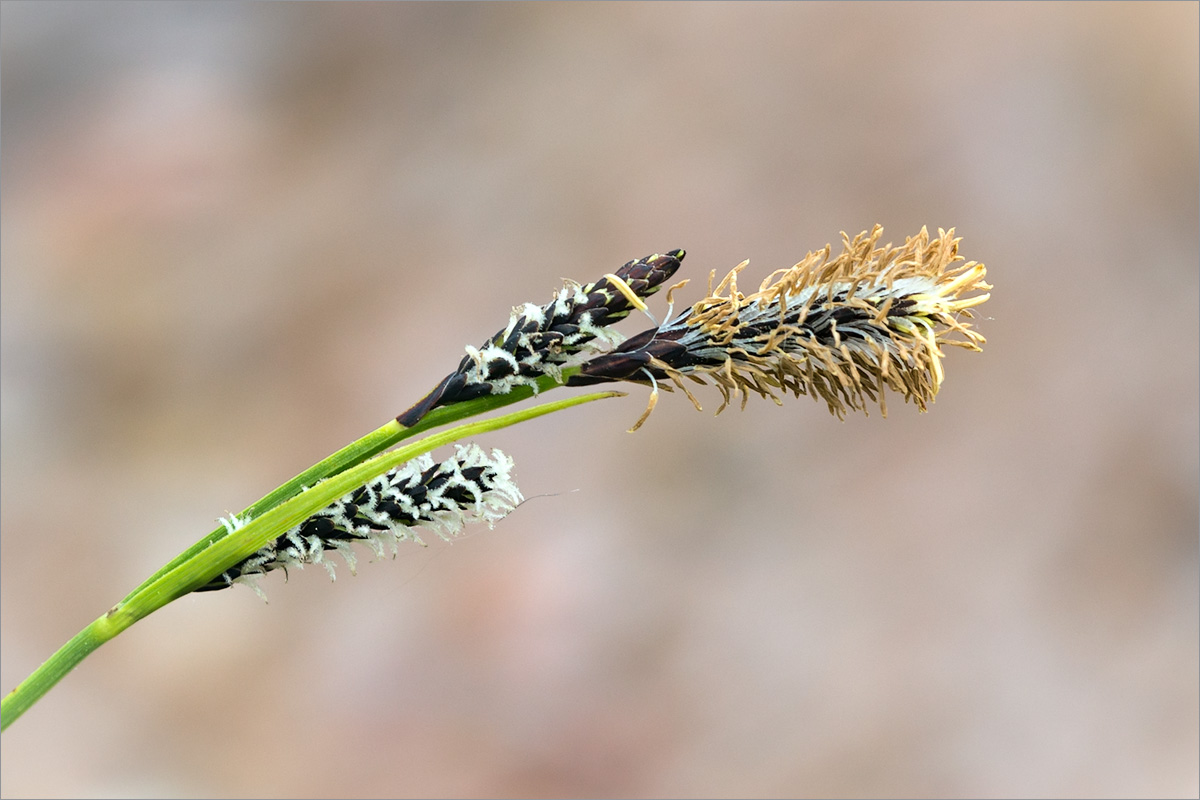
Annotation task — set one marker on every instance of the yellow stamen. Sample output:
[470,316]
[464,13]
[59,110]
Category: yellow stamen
[624,289]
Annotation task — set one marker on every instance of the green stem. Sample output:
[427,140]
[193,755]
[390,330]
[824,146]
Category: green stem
[18,701]
[374,442]
[213,556]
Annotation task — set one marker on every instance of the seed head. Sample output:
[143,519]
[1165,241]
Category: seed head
[542,340]
[841,329]
[470,487]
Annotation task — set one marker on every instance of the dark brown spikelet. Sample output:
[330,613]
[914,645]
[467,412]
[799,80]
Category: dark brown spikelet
[542,340]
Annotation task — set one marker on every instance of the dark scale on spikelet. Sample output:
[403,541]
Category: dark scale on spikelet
[471,486]
[542,340]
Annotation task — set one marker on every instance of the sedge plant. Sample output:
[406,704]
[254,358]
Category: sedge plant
[843,330]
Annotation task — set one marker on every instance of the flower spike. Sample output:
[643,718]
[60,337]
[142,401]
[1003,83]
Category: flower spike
[543,340]
[472,486]
[841,329]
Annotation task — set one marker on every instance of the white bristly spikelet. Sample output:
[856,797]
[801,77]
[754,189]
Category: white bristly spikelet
[472,486]
[541,341]
[523,352]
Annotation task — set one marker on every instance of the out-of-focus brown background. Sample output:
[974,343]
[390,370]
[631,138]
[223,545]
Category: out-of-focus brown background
[236,237]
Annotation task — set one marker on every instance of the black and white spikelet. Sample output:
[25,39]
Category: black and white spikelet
[543,340]
[473,486]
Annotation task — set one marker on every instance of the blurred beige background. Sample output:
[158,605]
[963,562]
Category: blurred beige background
[236,237]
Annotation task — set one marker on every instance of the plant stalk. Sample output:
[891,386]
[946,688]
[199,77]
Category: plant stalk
[285,507]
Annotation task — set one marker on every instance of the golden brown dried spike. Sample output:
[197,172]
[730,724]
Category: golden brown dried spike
[843,329]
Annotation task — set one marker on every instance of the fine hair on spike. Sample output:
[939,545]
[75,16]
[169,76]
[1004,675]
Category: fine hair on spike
[472,486]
